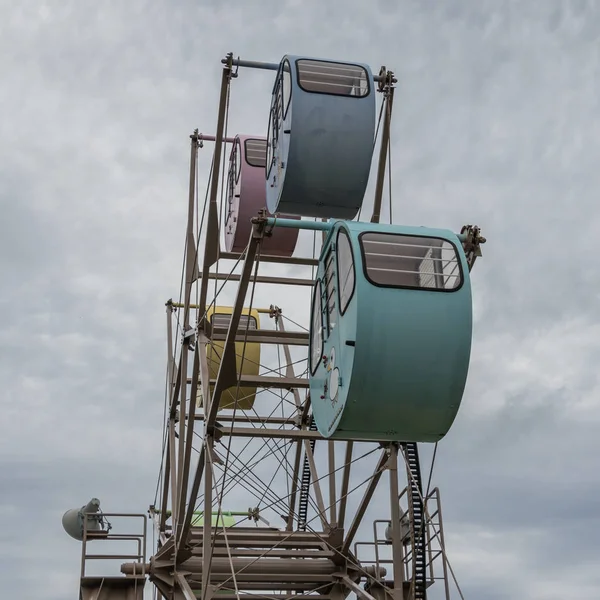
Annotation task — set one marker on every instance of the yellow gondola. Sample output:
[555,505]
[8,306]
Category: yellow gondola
[242,399]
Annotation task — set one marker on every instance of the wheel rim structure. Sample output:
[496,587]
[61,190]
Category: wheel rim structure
[292,514]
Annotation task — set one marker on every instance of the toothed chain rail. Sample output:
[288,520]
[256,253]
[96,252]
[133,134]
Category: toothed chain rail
[305,483]
[417,519]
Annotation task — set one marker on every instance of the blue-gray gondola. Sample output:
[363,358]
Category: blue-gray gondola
[320,138]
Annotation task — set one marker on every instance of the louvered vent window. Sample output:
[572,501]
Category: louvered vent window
[316,329]
[337,79]
[330,291]
[256,153]
[221,320]
[395,260]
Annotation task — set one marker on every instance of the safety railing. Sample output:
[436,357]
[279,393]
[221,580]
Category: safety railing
[104,534]
[436,562]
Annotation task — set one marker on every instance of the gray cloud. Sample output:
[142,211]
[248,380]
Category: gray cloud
[495,122]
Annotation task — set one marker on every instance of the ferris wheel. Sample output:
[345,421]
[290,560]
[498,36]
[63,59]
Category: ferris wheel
[311,350]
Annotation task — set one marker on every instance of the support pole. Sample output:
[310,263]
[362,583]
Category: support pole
[189,436]
[290,372]
[173,460]
[332,499]
[170,383]
[170,358]
[227,375]
[189,513]
[165,493]
[191,269]
[316,485]
[186,590]
[383,152]
[397,550]
[203,137]
[225,378]
[345,484]
[211,251]
[322,225]
[364,503]
[207,532]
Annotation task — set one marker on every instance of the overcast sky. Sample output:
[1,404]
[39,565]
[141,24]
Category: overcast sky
[495,123]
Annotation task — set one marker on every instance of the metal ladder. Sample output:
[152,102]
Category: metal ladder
[417,518]
[305,483]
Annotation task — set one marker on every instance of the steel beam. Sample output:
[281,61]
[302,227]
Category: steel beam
[255,537]
[332,495]
[191,270]
[165,490]
[269,66]
[265,311]
[226,595]
[322,225]
[316,484]
[259,553]
[290,372]
[253,64]
[291,434]
[175,393]
[170,358]
[173,460]
[169,391]
[383,152]
[345,484]
[261,279]
[397,548]
[248,568]
[185,587]
[203,137]
[357,589]
[211,252]
[207,529]
[261,336]
[226,377]
[189,437]
[263,381]
[189,513]
[245,418]
[266,258]
[372,485]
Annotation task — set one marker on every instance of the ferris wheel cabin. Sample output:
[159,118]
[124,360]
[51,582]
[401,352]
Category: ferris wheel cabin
[320,138]
[247,359]
[390,333]
[246,195]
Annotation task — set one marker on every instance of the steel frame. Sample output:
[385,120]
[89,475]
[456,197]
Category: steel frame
[190,561]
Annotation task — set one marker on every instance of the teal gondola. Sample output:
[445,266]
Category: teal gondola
[391,327]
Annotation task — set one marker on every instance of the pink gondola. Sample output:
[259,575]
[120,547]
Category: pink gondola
[246,195]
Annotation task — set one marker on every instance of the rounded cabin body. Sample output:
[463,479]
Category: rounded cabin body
[391,327]
[242,399]
[246,195]
[320,138]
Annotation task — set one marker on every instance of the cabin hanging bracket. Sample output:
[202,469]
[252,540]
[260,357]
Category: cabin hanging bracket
[472,243]
[386,80]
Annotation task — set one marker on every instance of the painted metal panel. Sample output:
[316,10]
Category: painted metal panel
[246,196]
[394,365]
[242,399]
[225,519]
[321,140]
